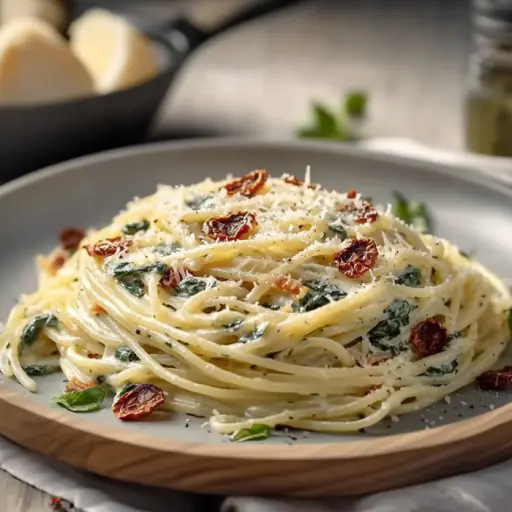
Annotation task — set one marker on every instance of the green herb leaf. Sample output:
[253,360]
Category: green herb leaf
[256,432]
[413,213]
[337,227]
[411,276]
[34,328]
[197,203]
[87,400]
[325,125]
[233,326]
[254,335]
[397,317]
[135,227]
[465,254]
[37,370]
[126,355]
[135,287]
[124,390]
[320,294]
[444,369]
[190,286]
[355,104]
[167,249]
[128,269]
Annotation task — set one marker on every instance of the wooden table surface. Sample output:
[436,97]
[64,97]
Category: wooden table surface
[411,57]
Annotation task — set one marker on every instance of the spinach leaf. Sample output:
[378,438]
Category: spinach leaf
[36,370]
[191,286]
[336,227]
[199,202]
[33,329]
[233,326]
[444,369]
[413,213]
[134,286]
[255,334]
[325,125]
[135,227]
[87,400]
[320,294]
[411,276]
[355,104]
[256,432]
[167,249]
[397,317]
[128,269]
[126,355]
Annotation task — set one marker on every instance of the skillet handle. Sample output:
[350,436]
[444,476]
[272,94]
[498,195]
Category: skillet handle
[188,32]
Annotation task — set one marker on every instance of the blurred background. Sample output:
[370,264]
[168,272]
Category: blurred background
[434,71]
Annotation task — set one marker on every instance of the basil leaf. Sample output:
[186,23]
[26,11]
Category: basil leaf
[87,400]
[325,125]
[337,228]
[413,213]
[167,249]
[320,294]
[256,432]
[355,104]
[254,335]
[397,317]
[411,276]
[126,355]
[191,286]
[33,329]
[127,269]
[135,287]
[135,227]
[37,370]
[233,326]
[444,369]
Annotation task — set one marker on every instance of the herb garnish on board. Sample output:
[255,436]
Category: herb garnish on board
[87,400]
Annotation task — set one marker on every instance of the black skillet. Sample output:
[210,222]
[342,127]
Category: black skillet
[33,136]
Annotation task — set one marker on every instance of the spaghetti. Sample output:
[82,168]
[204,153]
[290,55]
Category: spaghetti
[262,301]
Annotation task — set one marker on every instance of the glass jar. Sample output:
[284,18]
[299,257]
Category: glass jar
[488,105]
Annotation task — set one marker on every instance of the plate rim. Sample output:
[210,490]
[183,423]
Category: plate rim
[463,439]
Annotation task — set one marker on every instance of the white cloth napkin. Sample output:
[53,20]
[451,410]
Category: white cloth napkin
[482,491]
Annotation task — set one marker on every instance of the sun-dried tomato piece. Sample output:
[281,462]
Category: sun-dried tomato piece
[357,258]
[57,263]
[172,278]
[232,227]
[138,402]
[495,379]
[292,180]
[375,360]
[288,284]
[352,193]
[108,246]
[96,309]
[77,385]
[249,184]
[428,338]
[365,213]
[70,238]
[91,355]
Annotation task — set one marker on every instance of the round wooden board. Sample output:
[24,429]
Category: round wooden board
[344,465]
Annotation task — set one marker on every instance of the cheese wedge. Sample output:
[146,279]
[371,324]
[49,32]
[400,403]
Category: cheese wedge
[37,65]
[116,54]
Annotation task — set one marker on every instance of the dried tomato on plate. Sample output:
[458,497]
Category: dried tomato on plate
[172,278]
[108,247]
[70,238]
[248,185]
[138,402]
[363,214]
[288,284]
[428,338]
[292,180]
[231,227]
[495,379]
[357,258]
